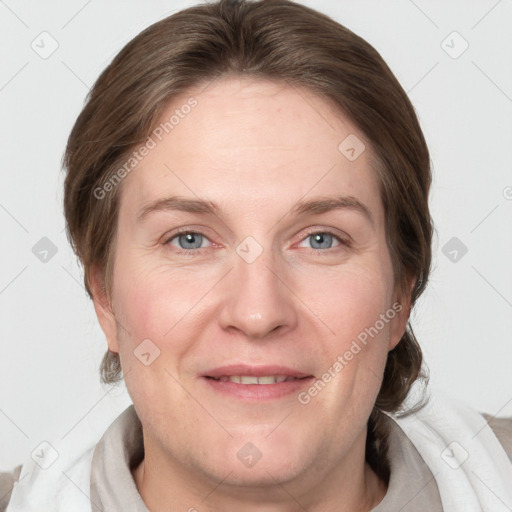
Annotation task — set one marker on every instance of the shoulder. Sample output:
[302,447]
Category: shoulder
[502,428]
[7,482]
[33,484]
[71,473]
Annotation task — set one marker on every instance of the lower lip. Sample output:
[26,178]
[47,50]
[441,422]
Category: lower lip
[258,392]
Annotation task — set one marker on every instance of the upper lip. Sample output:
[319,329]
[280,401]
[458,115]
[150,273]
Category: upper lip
[254,370]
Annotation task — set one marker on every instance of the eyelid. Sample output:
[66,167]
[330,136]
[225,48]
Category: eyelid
[185,231]
[344,239]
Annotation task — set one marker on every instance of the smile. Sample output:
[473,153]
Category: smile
[253,384]
[251,379]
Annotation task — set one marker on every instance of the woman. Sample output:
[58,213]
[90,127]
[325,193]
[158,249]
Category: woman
[247,189]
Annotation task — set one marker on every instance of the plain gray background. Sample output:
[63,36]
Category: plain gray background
[50,342]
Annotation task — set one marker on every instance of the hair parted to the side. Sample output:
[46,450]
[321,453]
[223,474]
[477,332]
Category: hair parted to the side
[270,39]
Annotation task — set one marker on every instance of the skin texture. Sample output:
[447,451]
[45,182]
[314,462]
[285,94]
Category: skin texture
[255,148]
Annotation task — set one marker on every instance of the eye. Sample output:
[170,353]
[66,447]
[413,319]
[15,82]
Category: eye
[191,242]
[187,241]
[323,240]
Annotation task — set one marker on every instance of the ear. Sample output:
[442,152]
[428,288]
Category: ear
[104,312]
[402,306]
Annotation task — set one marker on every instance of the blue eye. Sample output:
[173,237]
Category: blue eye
[323,240]
[188,240]
[191,242]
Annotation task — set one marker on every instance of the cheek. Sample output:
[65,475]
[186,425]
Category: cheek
[350,298]
[357,309]
[150,310]
[152,299]
[162,312]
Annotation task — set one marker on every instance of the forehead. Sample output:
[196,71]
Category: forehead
[252,142]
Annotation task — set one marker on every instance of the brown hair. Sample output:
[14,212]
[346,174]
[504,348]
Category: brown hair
[271,39]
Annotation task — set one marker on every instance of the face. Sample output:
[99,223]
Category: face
[253,287]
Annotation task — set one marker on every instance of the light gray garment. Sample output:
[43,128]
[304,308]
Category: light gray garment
[412,487]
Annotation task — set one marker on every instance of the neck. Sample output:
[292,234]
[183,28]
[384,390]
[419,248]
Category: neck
[343,487]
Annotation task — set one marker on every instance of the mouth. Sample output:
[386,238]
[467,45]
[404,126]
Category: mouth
[251,379]
[256,383]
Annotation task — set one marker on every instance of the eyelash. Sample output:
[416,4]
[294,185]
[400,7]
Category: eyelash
[191,252]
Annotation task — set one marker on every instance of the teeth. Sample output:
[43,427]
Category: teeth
[251,379]
[267,380]
[247,380]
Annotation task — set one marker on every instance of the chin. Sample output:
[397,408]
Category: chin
[255,461]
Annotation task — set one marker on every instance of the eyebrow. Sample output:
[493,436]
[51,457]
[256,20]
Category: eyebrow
[315,206]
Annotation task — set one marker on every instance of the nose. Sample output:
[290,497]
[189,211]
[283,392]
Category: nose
[259,300]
